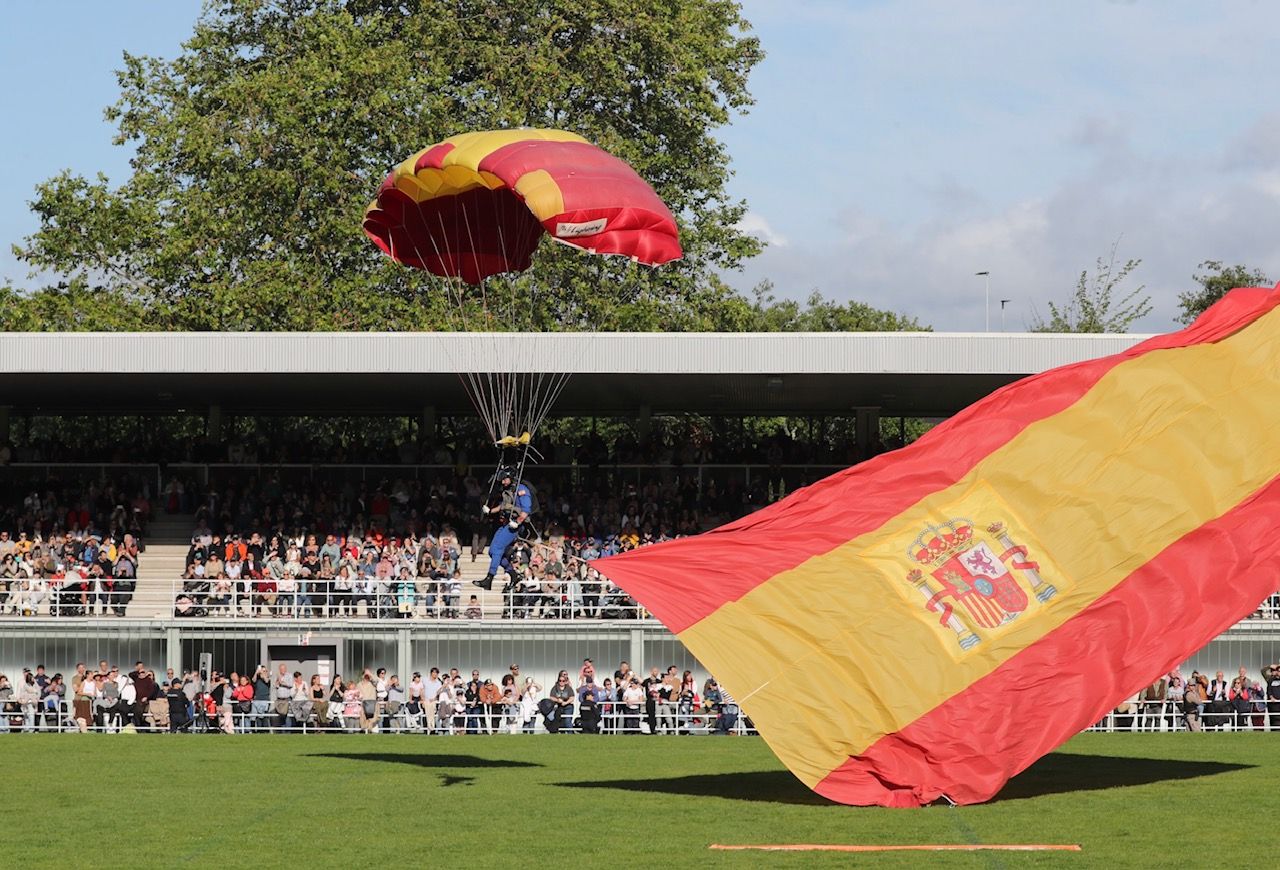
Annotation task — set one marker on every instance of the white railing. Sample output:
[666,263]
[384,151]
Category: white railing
[334,717]
[614,718]
[1172,715]
[399,601]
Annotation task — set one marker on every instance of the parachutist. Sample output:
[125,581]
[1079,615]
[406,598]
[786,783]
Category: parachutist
[514,507]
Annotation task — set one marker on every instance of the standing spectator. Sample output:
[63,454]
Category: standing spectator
[261,695]
[475,710]
[653,687]
[633,697]
[368,693]
[491,700]
[8,705]
[300,705]
[1271,684]
[395,700]
[529,703]
[283,694]
[430,694]
[1193,703]
[179,717]
[319,700]
[589,705]
[444,707]
[28,700]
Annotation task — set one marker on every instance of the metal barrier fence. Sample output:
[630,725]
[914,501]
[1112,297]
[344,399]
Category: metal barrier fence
[308,717]
[614,718]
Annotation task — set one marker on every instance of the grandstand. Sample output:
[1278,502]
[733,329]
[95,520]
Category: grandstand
[869,379]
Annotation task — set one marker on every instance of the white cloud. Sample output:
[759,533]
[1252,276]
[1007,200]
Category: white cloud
[1169,214]
[754,224]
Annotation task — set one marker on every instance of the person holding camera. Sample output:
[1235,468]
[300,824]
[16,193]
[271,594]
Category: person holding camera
[1271,688]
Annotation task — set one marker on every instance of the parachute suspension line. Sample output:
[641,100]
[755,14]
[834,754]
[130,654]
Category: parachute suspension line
[469,385]
[517,390]
[499,372]
[450,314]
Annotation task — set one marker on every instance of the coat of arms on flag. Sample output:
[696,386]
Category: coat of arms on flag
[975,581]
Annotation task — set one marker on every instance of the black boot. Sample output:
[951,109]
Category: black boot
[486,584]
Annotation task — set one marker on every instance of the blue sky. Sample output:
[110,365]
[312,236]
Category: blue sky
[895,148]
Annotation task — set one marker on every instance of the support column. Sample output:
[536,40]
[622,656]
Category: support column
[213,425]
[173,649]
[429,425]
[867,427]
[644,424]
[404,655]
[5,415]
[637,651]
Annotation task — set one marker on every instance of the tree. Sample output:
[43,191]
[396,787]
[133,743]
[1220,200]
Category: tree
[767,313]
[1093,306]
[70,306]
[259,146]
[1215,282]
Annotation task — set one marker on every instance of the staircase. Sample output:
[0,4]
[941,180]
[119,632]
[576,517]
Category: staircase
[168,539]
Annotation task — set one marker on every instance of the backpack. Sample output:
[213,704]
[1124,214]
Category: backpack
[534,504]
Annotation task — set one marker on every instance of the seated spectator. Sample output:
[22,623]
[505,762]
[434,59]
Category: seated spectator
[633,697]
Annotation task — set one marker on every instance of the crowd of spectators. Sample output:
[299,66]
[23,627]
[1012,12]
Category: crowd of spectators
[329,546]
[392,578]
[444,702]
[74,548]
[1173,701]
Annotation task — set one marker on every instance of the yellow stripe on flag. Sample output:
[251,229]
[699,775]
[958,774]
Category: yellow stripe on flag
[1093,493]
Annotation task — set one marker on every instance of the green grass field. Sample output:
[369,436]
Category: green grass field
[355,801]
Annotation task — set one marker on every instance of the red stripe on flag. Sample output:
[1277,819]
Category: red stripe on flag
[684,580]
[1079,668]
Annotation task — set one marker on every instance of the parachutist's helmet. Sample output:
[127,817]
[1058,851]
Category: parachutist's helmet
[505,473]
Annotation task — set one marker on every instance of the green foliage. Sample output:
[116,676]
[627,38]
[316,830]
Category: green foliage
[259,147]
[766,313]
[70,306]
[1094,306]
[1215,282]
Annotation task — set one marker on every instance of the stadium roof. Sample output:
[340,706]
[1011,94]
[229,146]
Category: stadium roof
[915,374]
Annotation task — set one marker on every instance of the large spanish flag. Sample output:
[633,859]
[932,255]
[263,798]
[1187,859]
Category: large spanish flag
[931,622]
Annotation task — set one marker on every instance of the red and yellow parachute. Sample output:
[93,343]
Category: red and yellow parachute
[477,204]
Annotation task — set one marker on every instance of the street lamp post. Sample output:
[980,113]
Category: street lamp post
[1003,303]
[987,303]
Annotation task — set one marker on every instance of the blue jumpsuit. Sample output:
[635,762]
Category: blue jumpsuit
[505,536]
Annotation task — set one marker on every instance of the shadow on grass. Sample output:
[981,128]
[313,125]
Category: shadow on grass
[1059,773]
[767,786]
[452,762]
[1063,772]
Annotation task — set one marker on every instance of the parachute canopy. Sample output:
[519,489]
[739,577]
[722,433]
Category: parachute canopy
[931,622]
[477,204]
